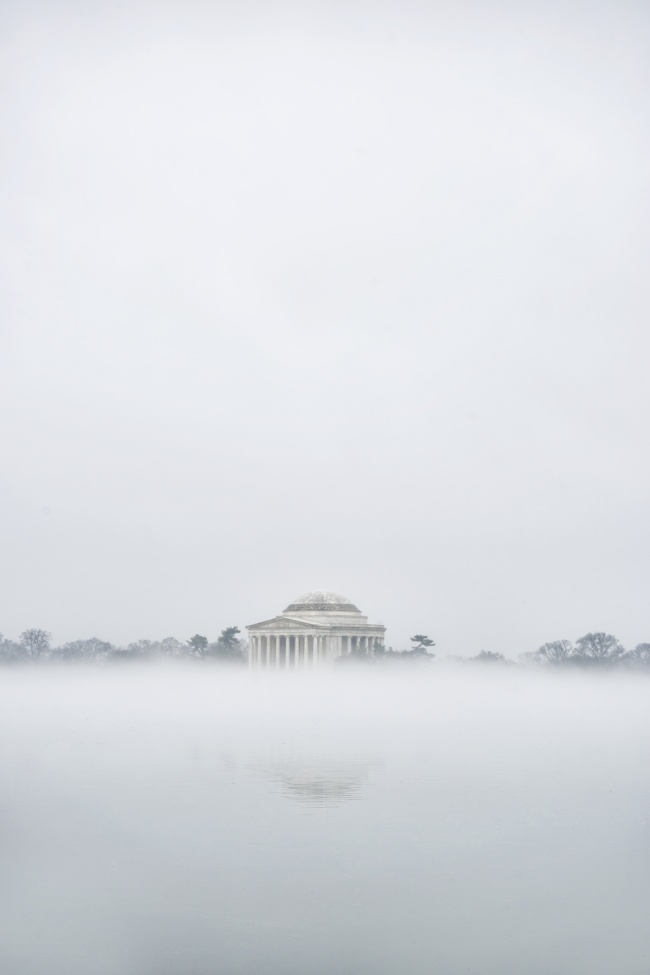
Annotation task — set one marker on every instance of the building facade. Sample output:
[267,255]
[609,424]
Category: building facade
[315,629]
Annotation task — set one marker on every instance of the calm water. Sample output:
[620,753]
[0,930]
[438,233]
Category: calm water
[191,821]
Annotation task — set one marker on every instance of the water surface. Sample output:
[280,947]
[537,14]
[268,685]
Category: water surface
[194,821]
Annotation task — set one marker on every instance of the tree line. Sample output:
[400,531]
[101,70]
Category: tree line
[35,646]
[591,650]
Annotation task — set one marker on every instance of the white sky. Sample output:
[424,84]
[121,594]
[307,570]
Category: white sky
[325,295]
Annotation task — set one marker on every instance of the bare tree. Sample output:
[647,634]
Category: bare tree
[556,652]
[598,647]
[640,656]
[142,648]
[92,649]
[35,643]
[10,651]
[488,657]
[171,646]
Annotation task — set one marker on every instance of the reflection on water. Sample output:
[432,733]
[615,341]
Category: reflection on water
[318,782]
[316,770]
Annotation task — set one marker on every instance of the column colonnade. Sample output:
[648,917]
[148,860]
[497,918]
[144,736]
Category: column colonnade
[292,650]
[304,650]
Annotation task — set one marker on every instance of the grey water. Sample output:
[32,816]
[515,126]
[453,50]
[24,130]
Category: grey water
[178,820]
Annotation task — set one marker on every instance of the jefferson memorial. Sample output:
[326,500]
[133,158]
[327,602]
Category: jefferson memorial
[314,629]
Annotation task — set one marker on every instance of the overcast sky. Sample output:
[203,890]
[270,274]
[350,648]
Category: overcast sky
[326,295]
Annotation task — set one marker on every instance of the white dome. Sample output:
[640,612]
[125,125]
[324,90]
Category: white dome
[321,601]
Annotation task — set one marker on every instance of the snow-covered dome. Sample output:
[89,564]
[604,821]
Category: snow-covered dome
[321,601]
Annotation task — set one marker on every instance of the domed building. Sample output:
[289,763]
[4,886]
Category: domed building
[314,629]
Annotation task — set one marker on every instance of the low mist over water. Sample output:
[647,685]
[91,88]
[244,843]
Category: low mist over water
[175,820]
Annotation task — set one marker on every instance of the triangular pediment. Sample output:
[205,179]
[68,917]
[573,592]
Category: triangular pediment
[286,623]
